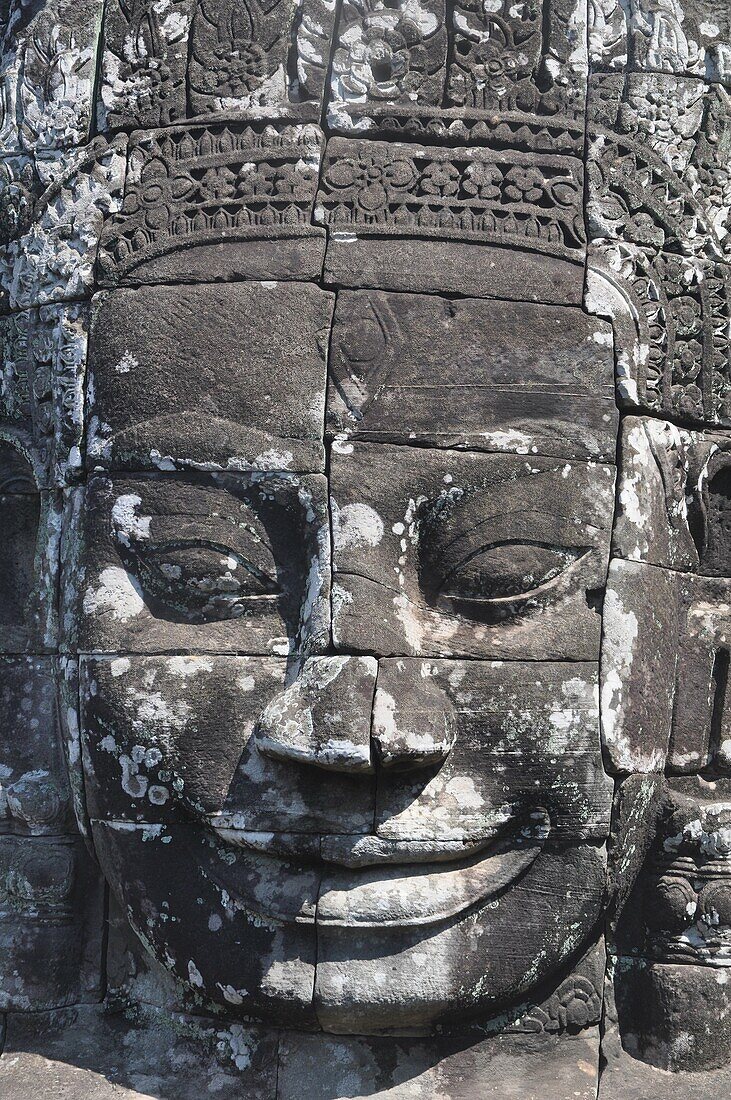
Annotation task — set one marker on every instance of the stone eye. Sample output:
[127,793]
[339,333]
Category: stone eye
[507,570]
[205,580]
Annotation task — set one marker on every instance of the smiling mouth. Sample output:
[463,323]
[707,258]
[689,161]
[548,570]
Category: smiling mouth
[368,882]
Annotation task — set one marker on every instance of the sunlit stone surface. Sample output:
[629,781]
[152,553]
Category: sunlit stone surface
[365,570]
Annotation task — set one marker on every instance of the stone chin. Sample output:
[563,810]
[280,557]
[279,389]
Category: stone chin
[377,947]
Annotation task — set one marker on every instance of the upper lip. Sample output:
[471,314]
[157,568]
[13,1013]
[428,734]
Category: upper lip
[367,882]
[367,849]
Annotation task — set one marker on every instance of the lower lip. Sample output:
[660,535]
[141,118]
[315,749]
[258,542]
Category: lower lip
[369,883]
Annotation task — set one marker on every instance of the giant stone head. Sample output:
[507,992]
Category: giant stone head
[367,405]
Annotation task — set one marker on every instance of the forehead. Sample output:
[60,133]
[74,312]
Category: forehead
[235,376]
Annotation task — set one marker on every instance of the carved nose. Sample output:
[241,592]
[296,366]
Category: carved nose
[333,717]
[415,730]
[324,717]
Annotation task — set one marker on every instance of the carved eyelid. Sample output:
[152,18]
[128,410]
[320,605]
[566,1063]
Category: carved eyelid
[572,553]
[496,517]
[505,526]
[154,550]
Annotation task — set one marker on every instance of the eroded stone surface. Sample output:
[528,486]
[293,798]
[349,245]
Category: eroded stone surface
[368,269]
[44,361]
[35,795]
[85,1053]
[51,914]
[217,202]
[155,404]
[47,74]
[459,556]
[642,616]
[511,1067]
[523,378]
[442,203]
[160,745]
[676,36]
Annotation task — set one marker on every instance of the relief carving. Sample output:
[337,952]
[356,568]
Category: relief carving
[365,571]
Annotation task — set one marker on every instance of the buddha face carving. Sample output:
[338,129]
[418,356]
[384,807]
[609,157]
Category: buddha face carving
[340,715]
[392,664]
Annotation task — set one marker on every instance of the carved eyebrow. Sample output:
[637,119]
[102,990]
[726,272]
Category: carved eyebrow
[213,521]
[240,524]
[496,517]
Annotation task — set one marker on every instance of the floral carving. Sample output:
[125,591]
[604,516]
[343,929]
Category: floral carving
[144,62]
[393,53]
[680,364]
[195,185]
[44,357]
[229,58]
[239,55]
[510,57]
[666,36]
[575,1005]
[18,190]
[470,194]
[387,53]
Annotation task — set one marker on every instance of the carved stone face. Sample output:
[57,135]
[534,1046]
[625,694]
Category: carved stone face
[392,664]
[340,711]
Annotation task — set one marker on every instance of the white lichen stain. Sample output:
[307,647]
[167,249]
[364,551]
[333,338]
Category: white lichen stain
[356,526]
[118,593]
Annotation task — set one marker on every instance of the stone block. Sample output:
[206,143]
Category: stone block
[670,314]
[642,622]
[233,562]
[650,1044]
[47,75]
[678,624]
[29,555]
[685,38]
[34,795]
[390,956]
[701,734]
[681,123]
[51,923]
[661,468]
[86,1053]
[509,1067]
[143,64]
[401,69]
[42,403]
[454,213]
[217,202]
[54,259]
[165,738]
[235,927]
[526,742]
[271,59]
[525,379]
[447,553]
[179,377]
